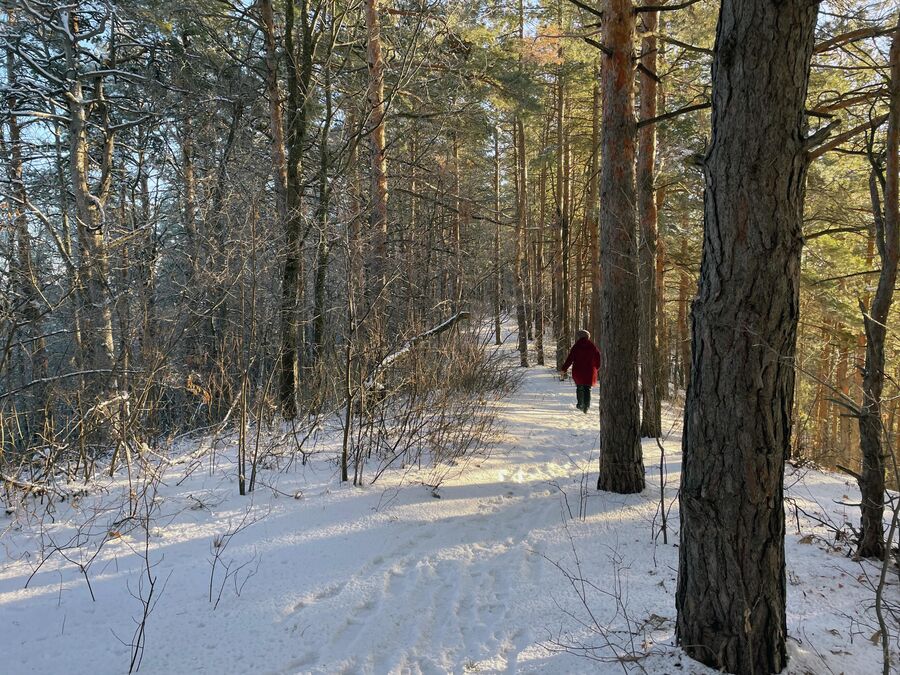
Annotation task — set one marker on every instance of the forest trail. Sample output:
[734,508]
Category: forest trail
[461,582]
[464,579]
[397,578]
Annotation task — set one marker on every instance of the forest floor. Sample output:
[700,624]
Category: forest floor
[514,564]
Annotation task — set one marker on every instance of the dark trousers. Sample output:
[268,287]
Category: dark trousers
[583,392]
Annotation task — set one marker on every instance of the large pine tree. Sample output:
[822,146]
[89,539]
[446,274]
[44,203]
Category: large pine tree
[737,423]
[621,462]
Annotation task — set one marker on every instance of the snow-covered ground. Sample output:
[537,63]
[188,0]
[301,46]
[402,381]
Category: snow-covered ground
[514,564]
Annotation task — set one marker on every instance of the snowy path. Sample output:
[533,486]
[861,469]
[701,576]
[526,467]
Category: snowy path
[393,579]
[460,581]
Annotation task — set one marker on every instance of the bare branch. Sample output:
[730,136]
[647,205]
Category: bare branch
[674,113]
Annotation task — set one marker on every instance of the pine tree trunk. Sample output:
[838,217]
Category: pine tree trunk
[521,228]
[565,305]
[621,460]
[662,328]
[737,423]
[887,227]
[560,231]
[540,262]
[593,208]
[684,332]
[823,374]
[539,295]
[498,273]
[456,291]
[651,411]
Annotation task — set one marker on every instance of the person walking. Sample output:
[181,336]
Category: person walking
[584,360]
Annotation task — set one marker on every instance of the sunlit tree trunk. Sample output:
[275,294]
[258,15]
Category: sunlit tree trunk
[621,460]
[651,423]
[98,348]
[378,217]
[737,420]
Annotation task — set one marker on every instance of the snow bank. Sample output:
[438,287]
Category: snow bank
[516,564]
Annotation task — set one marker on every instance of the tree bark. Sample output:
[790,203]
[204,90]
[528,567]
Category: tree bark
[621,460]
[323,248]
[540,263]
[299,62]
[737,421]
[378,217]
[823,391]
[683,350]
[498,273]
[521,228]
[98,347]
[539,295]
[23,273]
[651,410]
[593,209]
[562,317]
[456,286]
[276,119]
[887,228]
[662,327]
[521,214]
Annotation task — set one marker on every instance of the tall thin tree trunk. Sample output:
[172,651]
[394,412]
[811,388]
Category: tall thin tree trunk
[561,230]
[684,332]
[593,208]
[299,76]
[843,421]
[498,273]
[97,327]
[662,327]
[521,213]
[823,391]
[378,218]
[276,118]
[24,275]
[414,245]
[568,313]
[456,285]
[539,263]
[323,248]
[621,460]
[887,227]
[521,228]
[651,411]
[737,420]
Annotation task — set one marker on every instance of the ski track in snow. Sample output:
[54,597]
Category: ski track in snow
[390,579]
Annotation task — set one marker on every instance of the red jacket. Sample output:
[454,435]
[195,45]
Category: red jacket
[584,358]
